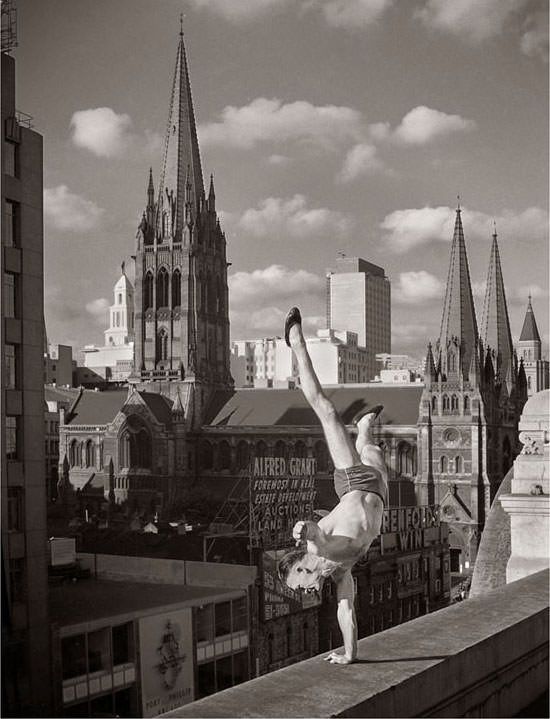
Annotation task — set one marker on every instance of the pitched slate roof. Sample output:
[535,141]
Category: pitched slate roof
[288,407]
[102,407]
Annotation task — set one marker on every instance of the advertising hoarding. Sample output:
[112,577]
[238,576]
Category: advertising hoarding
[166,653]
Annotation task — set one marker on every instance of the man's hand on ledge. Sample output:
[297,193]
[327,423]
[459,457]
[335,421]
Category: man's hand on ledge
[335,658]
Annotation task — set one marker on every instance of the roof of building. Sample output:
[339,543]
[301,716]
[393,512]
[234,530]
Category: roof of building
[529,331]
[289,407]
[102,407]
[60,394]
[91,599]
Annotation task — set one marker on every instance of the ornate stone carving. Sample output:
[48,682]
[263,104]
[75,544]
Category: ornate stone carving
[531,444]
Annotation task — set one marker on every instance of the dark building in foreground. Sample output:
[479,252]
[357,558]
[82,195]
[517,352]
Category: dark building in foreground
[25,626]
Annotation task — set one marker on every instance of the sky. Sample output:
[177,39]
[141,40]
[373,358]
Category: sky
[330,126]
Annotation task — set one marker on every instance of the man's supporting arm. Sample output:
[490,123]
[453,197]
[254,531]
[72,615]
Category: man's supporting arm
[346,619]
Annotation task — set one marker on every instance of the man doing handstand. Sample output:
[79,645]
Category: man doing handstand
[332,546]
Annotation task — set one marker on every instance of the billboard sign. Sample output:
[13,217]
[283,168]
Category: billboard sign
[282,492]
[166,651]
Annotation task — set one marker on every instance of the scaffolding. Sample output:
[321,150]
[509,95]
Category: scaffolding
[9,25]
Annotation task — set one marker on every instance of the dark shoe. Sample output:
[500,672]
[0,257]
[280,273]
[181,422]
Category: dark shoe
[368,410]
[293,318]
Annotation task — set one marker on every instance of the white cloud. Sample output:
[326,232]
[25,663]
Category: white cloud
[264,120]
[361,160]
[417,287]
[98,309]
[534,41]
[423,124]
[522,293]
[407,229]
[101,131]
[350,14]
[276,282]
[279,217]
[240,10]
[279,160]
[70,212]
[475,20]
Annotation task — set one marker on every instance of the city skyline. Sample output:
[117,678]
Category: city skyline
[311,154]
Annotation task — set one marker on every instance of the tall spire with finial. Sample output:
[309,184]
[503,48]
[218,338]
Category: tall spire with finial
[458,323]
[529,331]
[181,147]
[495,325]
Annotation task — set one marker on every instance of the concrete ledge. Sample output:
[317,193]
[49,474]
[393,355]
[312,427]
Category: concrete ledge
[487,656]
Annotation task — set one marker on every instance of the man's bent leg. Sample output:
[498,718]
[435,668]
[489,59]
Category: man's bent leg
[339,443]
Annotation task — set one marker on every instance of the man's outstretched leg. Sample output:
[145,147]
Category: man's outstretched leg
[368,451]
[342,451]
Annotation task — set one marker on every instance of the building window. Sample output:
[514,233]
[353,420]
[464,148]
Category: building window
[443,465]
[17,579]
[11,158]
[466,404]
[162,288]
[454,403]
[148,291]
[90,454]
[222,618]
[10,295]
[10,366]
[445,403]
[11,224]
[120,299]
[176,289]
[434,405]
[12,437]
[15,509]
[162,345]
[73,656]
[243,455]
[458,465]
[204,623]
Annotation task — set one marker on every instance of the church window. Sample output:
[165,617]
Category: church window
[224,455]
[466,404]
[162,345]
[445,403]
[528,382]
[404,459]
[443,465]
[454,403]
[176,289]
[458,465]
[162,288]
[261,449]
[321,455]
[120,299]
[90,454]
[300,449]
[135,447]
[434,405]
[451,361]
[206,455]
[73,453]
[243,455]
[148,291]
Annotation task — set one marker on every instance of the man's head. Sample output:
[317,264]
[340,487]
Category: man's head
[301,570]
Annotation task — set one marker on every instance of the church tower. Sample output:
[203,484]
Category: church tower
[529,349]
[181,296]
[468,412]
[121,314]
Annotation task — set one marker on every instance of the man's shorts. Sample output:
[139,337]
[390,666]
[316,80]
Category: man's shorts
[362,477]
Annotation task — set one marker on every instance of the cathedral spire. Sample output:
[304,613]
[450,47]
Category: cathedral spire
[529,331]
[458,323]
[495,325]
[181,147]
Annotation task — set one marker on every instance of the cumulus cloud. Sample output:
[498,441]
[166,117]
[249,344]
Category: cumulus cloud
[264,120]
[423,124]
[98,309]
[417,287]
[239,10]
[476,20]
[101,131]
[69,212]
[534,41]
[279,217]
[350,14]
[407,229]
[259,300]
[276,282]
[361,160]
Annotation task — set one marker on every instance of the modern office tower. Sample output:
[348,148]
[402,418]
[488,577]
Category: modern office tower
[358,300]
[25,625]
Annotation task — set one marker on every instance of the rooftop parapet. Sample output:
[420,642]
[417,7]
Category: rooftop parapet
[486,656]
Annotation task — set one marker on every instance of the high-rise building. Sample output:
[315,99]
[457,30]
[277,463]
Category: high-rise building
[25,624]
[529,350]
[358,300]
[470,406]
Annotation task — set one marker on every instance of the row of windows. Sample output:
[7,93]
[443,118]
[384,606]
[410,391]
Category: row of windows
[209,294]
[453,465]
[84,454]
[100,650]
[450,404]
